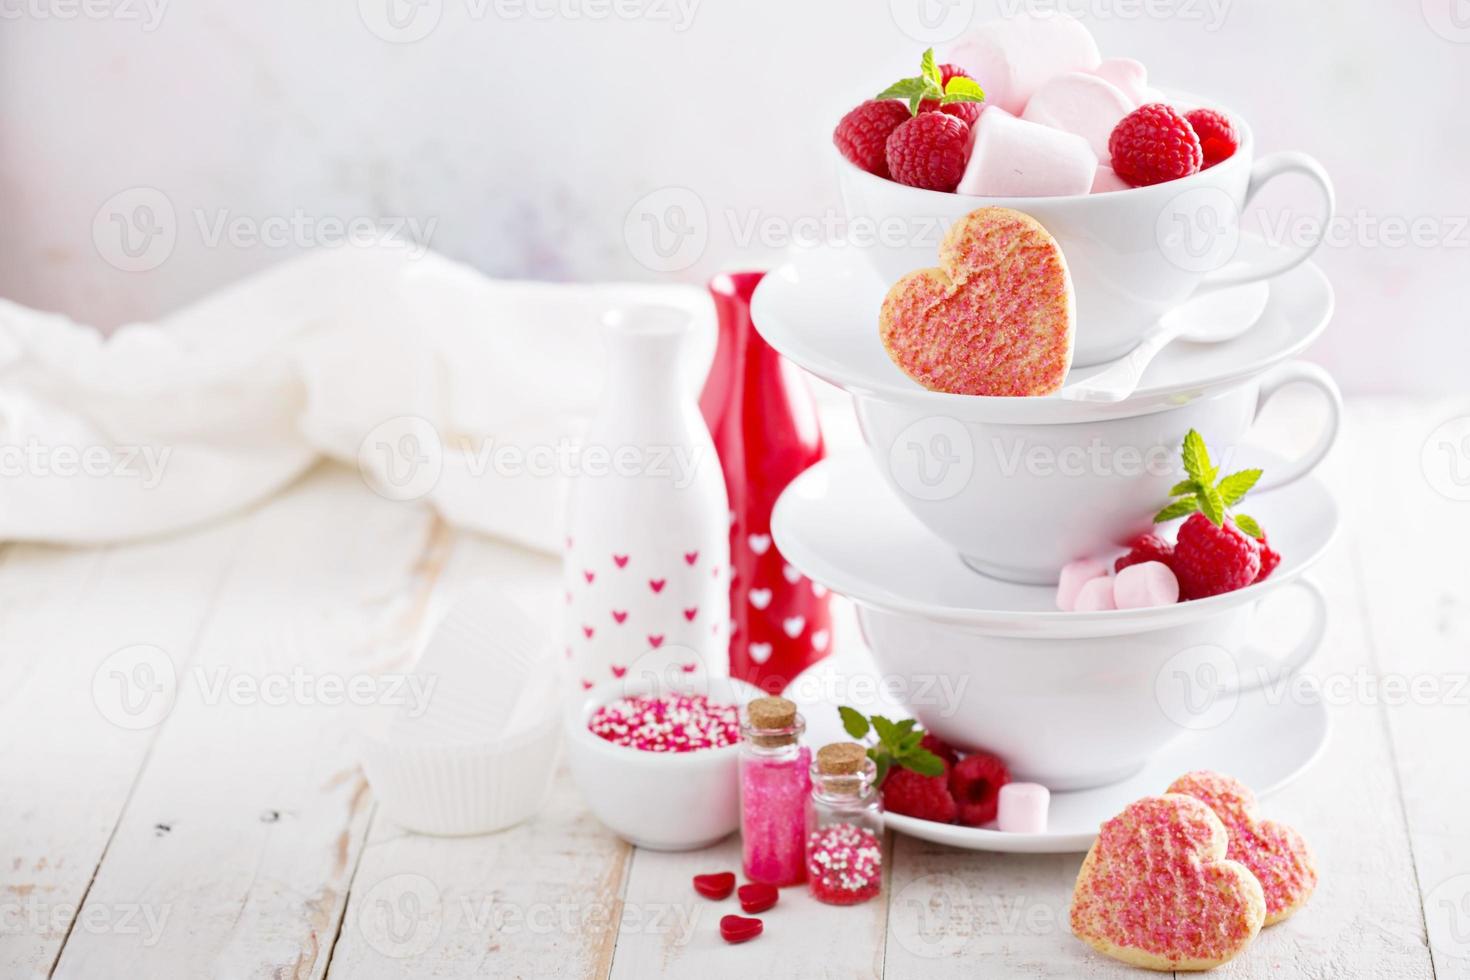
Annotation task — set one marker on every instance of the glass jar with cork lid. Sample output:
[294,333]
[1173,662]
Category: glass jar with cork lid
[844,826]
[775,782]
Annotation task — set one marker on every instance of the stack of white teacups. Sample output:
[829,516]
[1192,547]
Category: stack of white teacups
[950,539]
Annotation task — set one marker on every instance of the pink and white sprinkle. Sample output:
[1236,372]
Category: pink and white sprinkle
[667,723]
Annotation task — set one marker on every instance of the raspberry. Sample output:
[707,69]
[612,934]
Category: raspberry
[862,135]
[975,783]
[968,111]
[1218,137]
[924,797]
[1270,558]
[929,151]
[1210,560]
[1152,144]
[939,747]
[1146,547]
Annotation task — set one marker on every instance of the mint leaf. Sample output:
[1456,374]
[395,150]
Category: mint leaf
[1212,505]
[962,89]
[1237,485]
[909,743]
[853,722]
[1177,509]
[888,733]
[903,88]
[1197,459]
[929,69]
[1183,487]
[923,762]
[907,725]
[1248,524]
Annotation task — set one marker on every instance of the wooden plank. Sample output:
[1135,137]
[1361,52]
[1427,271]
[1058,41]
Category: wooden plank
[1413,515]
[678,935]
[245,824]
[541,899]
[67,768]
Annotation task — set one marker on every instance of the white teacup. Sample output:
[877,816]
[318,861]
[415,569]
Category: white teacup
[1018,501]
[1133,254]
[1085,706]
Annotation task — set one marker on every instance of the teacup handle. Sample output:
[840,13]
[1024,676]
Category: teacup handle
[1305,648]
[1280,260]
[1291,373]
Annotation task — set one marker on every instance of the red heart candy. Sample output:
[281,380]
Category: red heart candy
[996,317]
[737,928]
[758,898]
[716,886]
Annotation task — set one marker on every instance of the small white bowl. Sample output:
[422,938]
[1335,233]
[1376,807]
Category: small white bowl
[664,801]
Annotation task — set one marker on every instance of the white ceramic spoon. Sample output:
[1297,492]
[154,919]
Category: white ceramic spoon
[1212,318]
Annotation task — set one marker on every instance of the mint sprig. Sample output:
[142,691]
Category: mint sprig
[897,743]
[929,84]
[1202,492]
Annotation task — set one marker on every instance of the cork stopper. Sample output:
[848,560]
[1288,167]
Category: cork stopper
[773,722]
[841,759]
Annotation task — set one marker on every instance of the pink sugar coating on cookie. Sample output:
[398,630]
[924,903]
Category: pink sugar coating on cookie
[995,318]
[1275,853]
[1156,887]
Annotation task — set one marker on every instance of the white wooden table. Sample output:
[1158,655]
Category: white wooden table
[236,837]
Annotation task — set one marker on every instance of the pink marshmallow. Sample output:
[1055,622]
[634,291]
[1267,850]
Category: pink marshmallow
[1010,157]
[1095,596]
[1022,808]
[1149,583]
[1107,181]
[1011,58]
[1076,574]
[1129,76]
[1077,102]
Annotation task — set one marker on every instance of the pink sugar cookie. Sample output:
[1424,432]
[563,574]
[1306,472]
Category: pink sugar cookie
[1157,891]
[1275,853]
[996,317]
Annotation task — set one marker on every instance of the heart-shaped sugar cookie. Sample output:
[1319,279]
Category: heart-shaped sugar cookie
[1275,853]
[1157,891]
[996,317]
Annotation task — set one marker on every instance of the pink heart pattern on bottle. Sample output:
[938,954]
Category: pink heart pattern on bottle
[667,611]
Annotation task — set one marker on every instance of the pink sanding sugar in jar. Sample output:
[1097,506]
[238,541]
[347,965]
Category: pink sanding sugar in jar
[667,723]
[775,782]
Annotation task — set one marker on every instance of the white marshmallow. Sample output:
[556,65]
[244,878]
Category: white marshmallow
[1149,583]
[1106,180]
[1096,596]
[1011,157]
[1129,76]
[1077,102]
[1076,574]
[1022,808]
[1011,58]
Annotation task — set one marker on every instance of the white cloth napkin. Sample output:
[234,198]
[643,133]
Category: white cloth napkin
[337,354]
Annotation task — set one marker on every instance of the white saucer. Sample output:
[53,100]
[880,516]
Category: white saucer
[843,527]
[1264,745]
[821,311]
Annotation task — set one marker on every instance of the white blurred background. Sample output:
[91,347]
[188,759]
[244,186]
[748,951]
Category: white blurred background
[152,150]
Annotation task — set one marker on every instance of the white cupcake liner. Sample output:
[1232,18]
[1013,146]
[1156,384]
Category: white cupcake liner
[482,754]
[457,790]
